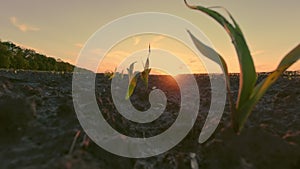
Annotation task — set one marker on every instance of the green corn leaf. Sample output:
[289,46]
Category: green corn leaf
[147,64]
[237,27]
[131,87]
[248,73]
[264,85]
[146,72]
[113,74]
[145,76]
[132,81]
[217,58]
[130,71]
[289,59]
[212,55]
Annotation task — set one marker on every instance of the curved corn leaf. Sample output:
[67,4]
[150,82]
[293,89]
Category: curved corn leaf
[264,85]
[248,74]
[113,74]
[217,58]
[237,27]
[132,81]
[214,56]
[130,71]
[146,72]
[292,57]
[145,76]
[211,54]
[131,87]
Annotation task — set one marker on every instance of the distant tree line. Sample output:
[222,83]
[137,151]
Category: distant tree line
[15,57]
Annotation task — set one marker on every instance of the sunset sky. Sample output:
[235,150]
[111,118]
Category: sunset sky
[61,28]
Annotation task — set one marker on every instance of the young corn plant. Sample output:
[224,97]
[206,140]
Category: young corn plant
[133,78]
[249,91]
[114,74]
[110,74]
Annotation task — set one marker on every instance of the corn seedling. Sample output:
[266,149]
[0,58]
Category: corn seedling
[110,74]
[146,72]
[249,92]
[133,78]
[114,74]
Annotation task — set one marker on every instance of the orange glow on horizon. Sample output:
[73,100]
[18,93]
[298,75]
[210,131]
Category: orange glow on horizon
[168,56]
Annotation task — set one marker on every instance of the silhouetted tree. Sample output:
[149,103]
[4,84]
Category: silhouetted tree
[5,56]
[12,56]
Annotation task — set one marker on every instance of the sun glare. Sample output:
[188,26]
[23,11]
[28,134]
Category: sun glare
[168,56]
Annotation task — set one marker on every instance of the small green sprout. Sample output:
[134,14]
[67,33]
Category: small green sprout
[249,92]
[113,74]
[133,78]
[109,74]
[146,72]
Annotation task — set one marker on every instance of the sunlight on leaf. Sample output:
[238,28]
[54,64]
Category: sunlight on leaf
[147,61]
[133,79]
[113,74]
[146,71]
[248,73]
[264,85]
[145,76]
[249,94]
[130,71]
[217,58]
[131,87]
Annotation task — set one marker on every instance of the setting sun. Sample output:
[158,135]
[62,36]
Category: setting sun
[168,56]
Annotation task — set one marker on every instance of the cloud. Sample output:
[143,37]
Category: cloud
[21,26]
[79,45]
[258,52]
